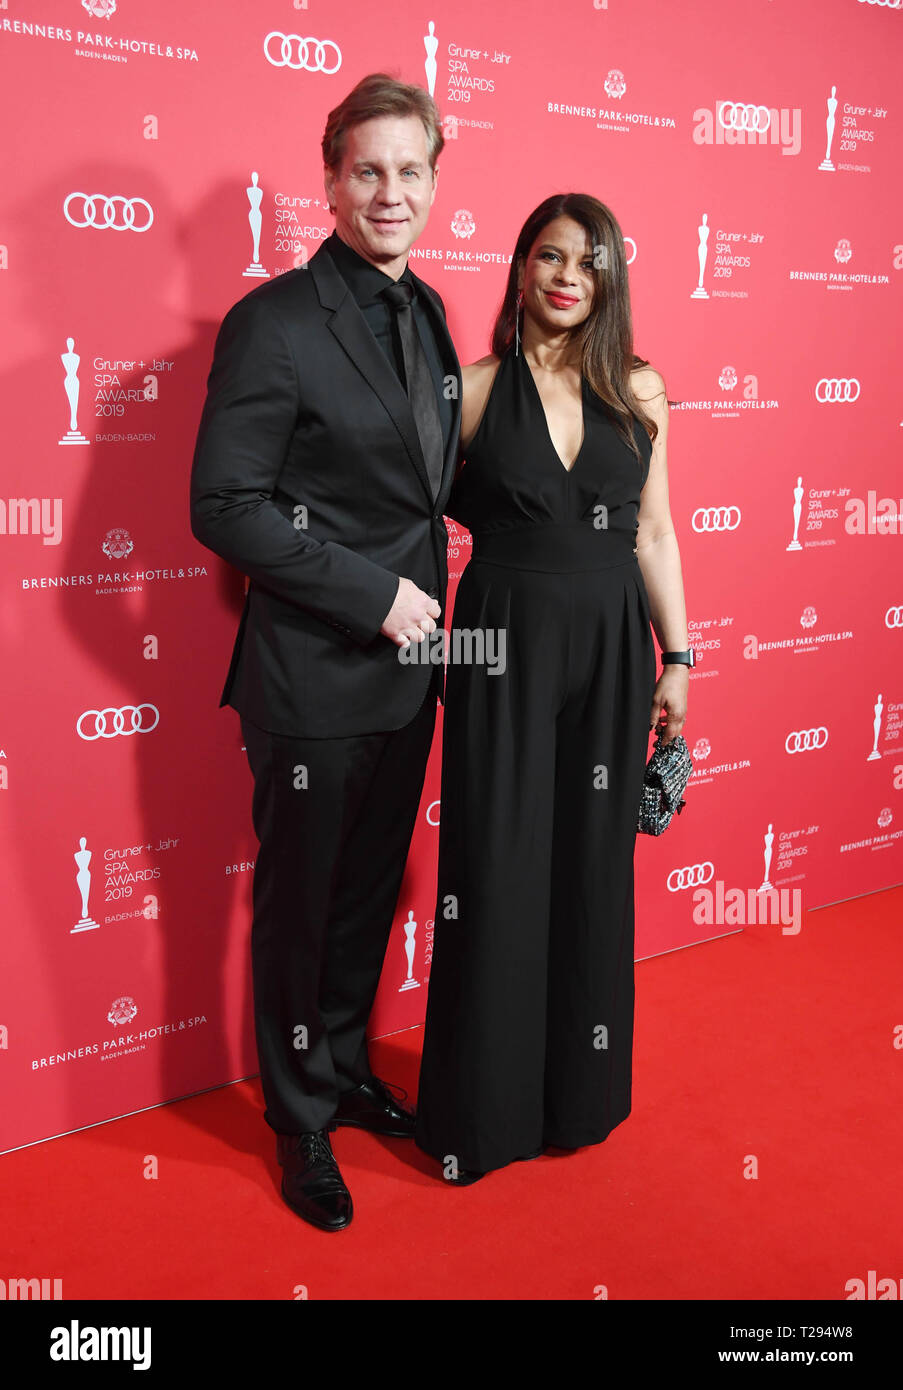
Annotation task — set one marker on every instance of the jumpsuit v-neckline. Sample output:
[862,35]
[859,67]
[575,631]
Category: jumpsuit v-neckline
[568,468]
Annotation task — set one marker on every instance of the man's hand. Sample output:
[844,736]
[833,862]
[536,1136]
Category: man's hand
[411,616]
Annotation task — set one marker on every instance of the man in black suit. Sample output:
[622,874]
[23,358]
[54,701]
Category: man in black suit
[325,454]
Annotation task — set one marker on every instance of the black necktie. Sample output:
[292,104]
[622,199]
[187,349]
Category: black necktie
[420,388]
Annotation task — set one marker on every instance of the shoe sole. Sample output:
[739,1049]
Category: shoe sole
[389,1133]
[522,1158]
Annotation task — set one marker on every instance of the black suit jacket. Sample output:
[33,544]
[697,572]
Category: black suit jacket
[304,411]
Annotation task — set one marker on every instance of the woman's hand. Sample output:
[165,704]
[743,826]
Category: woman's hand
[669,700]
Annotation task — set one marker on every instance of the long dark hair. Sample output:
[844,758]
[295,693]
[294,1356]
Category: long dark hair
[606,334]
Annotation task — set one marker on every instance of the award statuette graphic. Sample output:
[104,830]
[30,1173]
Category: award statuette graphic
[702,251]
[70,360]
[769,841]
[410,927]
[879,710]
[255,218]
[430,43]
[82,858]
[827,162]
[797,511]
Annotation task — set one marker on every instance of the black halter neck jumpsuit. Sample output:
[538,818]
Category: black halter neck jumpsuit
[529,1026]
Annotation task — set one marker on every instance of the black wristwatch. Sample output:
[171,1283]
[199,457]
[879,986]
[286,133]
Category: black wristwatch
[687,658]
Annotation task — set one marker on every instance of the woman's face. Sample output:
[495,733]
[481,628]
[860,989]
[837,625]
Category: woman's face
[558,281]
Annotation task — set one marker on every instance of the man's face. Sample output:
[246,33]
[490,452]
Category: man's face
[384,190]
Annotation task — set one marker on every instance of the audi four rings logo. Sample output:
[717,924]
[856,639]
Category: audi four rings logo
[291,51]
[832,389]
[894,617]
[734,115]
[108,723]
[716,519]
[98,210]
[691,876]
[804,740]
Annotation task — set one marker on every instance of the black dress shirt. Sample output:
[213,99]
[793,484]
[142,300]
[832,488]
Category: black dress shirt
[365,281]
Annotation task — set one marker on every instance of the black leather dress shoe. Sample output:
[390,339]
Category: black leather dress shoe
[372,1106]
[311,1182]
[467,1176]
[464,1177]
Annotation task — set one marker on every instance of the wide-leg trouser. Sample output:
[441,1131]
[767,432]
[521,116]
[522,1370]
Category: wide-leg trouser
[529,1025]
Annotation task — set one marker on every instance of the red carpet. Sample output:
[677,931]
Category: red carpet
[763,1045]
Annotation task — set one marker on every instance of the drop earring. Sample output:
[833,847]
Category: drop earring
[517,308]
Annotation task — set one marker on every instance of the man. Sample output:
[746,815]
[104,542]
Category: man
[325,454]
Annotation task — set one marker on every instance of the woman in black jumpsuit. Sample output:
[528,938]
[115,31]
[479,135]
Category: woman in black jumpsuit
[529,1026]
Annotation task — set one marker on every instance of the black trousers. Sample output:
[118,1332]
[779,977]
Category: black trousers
[334,817]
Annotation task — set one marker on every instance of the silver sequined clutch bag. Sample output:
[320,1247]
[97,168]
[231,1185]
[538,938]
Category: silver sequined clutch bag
[664,782]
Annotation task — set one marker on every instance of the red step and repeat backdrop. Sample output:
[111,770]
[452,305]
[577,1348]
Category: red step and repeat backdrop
[162,160]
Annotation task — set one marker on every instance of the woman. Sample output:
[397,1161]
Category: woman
[529,1026]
